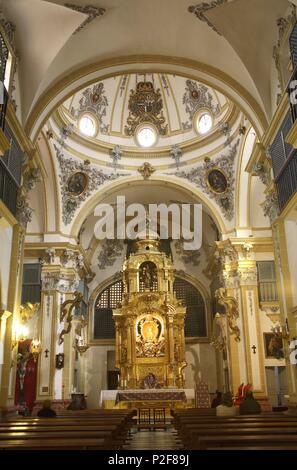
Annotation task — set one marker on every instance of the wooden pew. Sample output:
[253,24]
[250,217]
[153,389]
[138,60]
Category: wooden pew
[75,430]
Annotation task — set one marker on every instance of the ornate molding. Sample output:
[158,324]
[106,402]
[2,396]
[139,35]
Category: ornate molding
[187,256]
[145,105]
[116,155]
[202,8]
[263,172]
[197,96]
[271,206]
[146,170]
[110,251]
[284,25]
[96,178]
[176,154]
[66,314]
[231,306]
[198,176]
[9,29]
[90,10]
[95,101]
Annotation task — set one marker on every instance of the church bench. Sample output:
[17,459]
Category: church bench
[55,444]
[194,441]
[259,447]
[241,442]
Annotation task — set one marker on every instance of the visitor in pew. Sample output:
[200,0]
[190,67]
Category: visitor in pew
[249,406]
[226,408]
[217,399]
[46,411]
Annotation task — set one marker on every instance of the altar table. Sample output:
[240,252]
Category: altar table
[137,395]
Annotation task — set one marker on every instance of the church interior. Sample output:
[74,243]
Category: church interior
[132,341]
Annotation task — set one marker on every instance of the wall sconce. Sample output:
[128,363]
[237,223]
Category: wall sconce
[80,346]
[20,333]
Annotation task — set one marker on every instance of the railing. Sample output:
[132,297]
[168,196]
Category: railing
[286,181]
[268,291]
[8,189]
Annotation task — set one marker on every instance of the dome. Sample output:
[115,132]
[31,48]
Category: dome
[147,112]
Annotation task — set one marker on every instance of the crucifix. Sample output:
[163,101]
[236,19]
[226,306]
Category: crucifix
[254,348]
[46,353]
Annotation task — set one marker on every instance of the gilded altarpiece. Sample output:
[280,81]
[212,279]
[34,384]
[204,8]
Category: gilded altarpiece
[150,341]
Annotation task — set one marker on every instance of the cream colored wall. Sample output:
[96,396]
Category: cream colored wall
[256,211]
[201,360]
[96,373]
[291,237]
[6,232]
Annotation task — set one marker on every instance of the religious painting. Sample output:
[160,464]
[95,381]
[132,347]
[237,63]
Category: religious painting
[77,183]
[150,341]
[59,361]
[217,181]
[274,347]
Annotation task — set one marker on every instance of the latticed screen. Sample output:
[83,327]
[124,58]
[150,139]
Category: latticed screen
[108,299]
[195,324]
[267,281]
[31,291]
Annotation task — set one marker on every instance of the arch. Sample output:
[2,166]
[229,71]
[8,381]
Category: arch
[84,76]
[167,180]
[109,293]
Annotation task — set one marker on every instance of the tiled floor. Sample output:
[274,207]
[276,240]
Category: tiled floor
[154,440]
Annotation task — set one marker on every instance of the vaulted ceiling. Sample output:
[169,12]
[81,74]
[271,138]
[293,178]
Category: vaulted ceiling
[140,28]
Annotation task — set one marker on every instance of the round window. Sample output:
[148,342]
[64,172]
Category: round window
[146,136]
[88,125]
[204,123]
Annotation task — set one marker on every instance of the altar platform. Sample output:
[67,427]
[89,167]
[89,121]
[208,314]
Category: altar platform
[138,398]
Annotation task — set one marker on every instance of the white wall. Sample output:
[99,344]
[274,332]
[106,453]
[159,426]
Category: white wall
[6,233]
[291,236]
[201,360]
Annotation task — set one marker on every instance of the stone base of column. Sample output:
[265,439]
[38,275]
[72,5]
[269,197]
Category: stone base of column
[8,412]
[57,405]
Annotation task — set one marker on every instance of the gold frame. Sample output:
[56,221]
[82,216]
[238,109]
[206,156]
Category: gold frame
[210,187]
[85,188]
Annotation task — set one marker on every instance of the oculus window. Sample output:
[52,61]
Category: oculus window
[88,125]
[146,136]
[204,122]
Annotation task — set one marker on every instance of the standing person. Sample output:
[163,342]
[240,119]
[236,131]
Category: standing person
[249,406]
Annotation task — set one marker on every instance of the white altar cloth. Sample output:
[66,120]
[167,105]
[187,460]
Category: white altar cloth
[111,394]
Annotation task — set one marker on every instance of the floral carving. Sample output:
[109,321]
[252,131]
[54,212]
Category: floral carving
[201,8]
[197,96]
[90,10]
[94,101]
[198,176]
[187,256]
[145,105]
[110,251]
[69,166]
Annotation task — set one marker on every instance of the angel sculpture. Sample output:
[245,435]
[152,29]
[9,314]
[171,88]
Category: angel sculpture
[231,307]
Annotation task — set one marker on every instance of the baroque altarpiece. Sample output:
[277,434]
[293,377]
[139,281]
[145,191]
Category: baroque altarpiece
[149,323]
